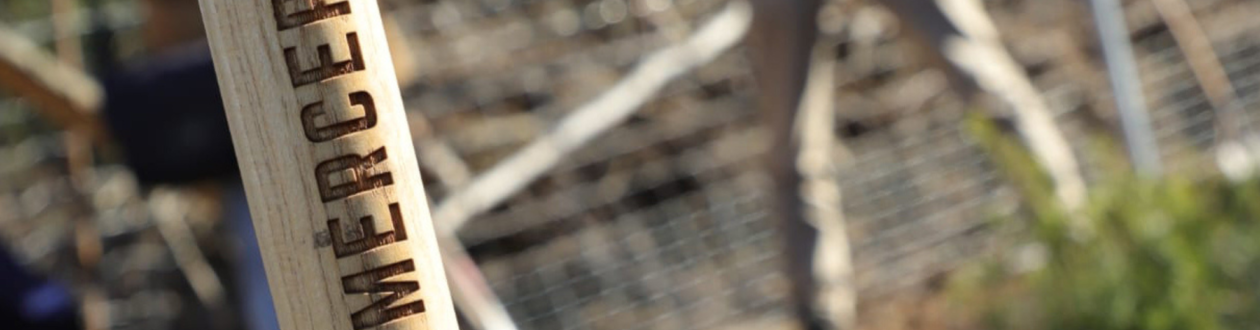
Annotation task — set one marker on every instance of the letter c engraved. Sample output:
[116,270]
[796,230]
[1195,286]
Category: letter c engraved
[315,133]
[328,67]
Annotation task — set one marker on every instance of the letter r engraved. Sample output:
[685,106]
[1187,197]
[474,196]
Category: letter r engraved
[319,10]
[308,32]
[371,239]
[361,178]
[327,67]
[316,133]
[372,282]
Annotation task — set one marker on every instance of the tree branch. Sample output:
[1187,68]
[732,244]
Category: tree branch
[589,121]
[66,95]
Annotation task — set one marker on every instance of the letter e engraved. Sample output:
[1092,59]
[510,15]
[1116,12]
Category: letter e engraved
[371,239]
[327,68]
[361,179]
[315,133]
[318,11]
[380,311]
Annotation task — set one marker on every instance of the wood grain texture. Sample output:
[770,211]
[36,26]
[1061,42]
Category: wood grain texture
[328,165]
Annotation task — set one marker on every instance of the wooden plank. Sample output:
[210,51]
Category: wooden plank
[328,165]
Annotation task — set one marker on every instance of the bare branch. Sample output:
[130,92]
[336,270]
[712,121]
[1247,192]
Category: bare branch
[68,46]
[470,290]
[820,190]
[975,48]
[169,212]
[609,109]
[1197,48]
[67,95]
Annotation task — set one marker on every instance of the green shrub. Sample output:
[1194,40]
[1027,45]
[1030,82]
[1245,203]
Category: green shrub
[1146,253]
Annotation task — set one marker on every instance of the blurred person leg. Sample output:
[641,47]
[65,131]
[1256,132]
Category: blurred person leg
[258,311]
[781,40]
[167,115]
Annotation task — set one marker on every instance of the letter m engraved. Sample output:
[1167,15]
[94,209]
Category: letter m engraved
[382,311]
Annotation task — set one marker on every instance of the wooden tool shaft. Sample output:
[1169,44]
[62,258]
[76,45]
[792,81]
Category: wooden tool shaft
[328,165]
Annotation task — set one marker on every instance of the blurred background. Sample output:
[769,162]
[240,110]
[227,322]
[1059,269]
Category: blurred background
[763,164]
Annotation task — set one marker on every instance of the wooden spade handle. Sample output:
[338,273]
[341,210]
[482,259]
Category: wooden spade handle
[328,165]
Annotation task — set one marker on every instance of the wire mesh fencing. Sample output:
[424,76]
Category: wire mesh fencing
[661,222]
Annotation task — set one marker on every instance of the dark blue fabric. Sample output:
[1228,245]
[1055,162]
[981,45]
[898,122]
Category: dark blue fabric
[167,115]
[28,302]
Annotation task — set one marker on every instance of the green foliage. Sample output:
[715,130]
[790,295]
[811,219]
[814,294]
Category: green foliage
[13,11]
[1146,253]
